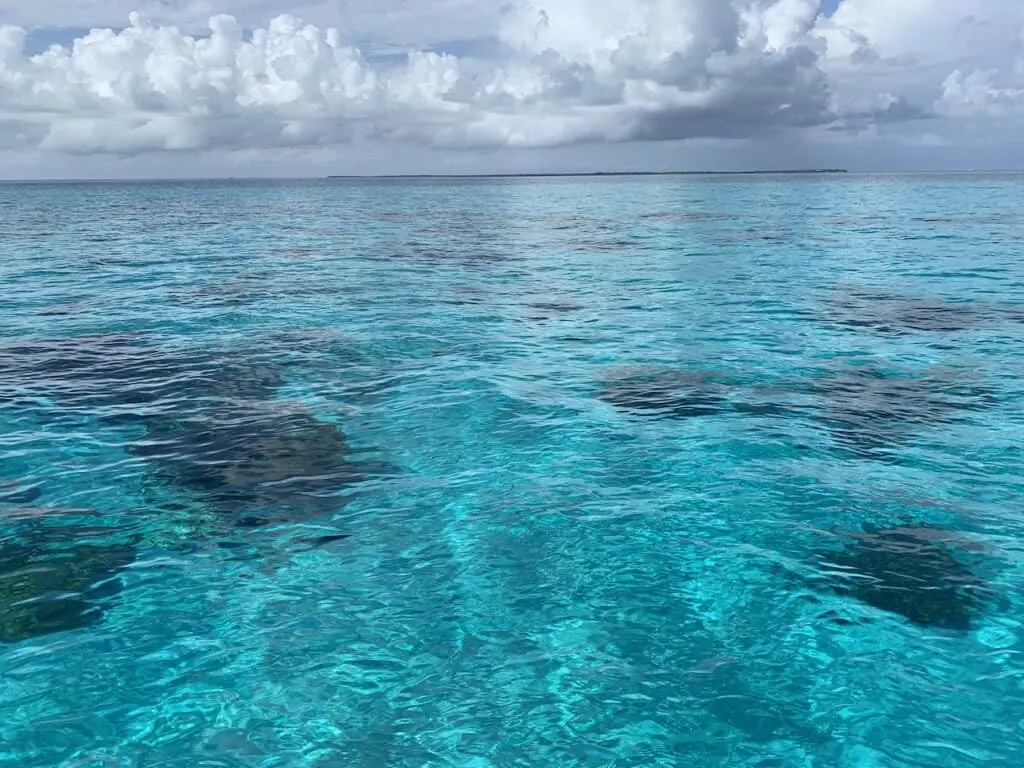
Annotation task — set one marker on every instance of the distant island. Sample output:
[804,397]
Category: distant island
[590,173]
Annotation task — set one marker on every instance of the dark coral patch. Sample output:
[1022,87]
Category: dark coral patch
[893,315]
[913,572]
[667,392]
[126,371]
[13,493]
[281,462]
[56,578]
[677,393]
[870,411]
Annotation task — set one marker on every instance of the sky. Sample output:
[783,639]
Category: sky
[171,88]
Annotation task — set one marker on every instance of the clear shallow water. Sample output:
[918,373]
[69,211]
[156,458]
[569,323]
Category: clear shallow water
[596,472]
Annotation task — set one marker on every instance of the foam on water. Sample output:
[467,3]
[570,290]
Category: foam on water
[609,472]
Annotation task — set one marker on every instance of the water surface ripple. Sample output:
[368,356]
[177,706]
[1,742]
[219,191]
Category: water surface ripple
[566,472]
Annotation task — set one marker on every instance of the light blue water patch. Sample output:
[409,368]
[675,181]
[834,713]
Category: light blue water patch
[522,472]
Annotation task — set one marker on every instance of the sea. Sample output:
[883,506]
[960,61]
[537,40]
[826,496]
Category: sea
[616,471]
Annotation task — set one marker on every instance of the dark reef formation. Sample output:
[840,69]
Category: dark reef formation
[677,393]
[900,315]
[283,463]
[205,420]
[14,493]
[55,578]
[126,372]
[892,315]
[916,572]
[868,411]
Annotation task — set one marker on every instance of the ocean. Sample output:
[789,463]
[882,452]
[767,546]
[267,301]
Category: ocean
[613,471]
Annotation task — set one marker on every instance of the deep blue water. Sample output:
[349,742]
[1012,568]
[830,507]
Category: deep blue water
[570,472]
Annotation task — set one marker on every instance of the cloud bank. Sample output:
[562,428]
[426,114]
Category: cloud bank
[561,72]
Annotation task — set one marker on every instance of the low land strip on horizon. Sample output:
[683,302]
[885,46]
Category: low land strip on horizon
[583,173]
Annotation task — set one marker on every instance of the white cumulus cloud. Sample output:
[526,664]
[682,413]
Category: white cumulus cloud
[619,70]
[559,72]
[957,58]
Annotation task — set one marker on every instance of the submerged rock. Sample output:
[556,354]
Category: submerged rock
[664,400]
[56,578]
[62,359]
[127,371]
[913,572]
[869,411]
[208,419]
[13,493]
[900,315]
[540,311]
[667,392]
[278,462]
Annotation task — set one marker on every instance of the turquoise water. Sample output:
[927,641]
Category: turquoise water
[570,472]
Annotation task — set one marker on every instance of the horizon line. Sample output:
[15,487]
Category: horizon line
[512,175]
